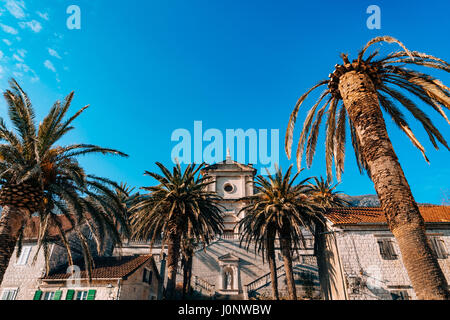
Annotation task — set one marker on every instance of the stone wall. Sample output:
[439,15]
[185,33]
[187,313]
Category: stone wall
[361,261]
[25,277]
[133,288]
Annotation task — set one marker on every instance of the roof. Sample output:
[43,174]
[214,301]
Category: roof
[105,268]
[228,257]
[229,165]
[367,215]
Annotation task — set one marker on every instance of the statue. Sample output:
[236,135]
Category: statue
[228,280]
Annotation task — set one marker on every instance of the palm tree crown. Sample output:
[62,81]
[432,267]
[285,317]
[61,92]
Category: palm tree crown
[277,202]
[325,195]
[386,73]
[178,200]
[30,158]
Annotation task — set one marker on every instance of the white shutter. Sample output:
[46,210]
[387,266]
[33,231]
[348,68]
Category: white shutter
[9,294]
[25,253]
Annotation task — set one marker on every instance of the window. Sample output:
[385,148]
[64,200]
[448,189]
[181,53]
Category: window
[148,275]
[24,254]
[399,295]
[9,294]
[81,295]
[387,251]
[48,295]
[438,247]
[228,187]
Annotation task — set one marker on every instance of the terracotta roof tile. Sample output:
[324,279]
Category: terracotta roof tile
[105,268]
[360,215]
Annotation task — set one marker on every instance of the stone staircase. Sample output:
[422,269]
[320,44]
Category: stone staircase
[219,296]
[304,264]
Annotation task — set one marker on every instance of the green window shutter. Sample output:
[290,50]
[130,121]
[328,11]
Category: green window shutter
[37,295]
[70,294]
[57,295]
[91,295]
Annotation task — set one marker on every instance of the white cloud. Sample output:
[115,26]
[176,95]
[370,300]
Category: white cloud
[33,25]
[8,29]
[17,74]
[53,53]
[23,67]
[22,52]
[49,65]
[8,43]
[16,8]
[43,15]
[16,57]
[1,55]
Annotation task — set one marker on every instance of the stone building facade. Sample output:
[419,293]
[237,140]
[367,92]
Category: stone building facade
[362,260]
[357,256]
[226,267]
[113,278]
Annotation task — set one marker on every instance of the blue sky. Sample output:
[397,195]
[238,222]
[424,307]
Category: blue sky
[147,68]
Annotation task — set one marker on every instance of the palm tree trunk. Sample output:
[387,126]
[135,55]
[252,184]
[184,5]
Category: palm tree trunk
[187,272]
[11,222]
[173,253]
[270,245]
[397,202]
[323,263]
[286,249]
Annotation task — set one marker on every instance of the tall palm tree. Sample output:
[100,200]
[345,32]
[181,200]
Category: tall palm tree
[278,209]
[324,194]
[38,176]
[180,202]
[366,87]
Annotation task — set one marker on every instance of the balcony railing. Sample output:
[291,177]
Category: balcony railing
[309,241]
[202,285]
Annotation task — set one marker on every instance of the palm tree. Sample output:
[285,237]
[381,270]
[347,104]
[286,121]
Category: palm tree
[279,208]
[124,193]
[366,86]
[324,194]
[179,205]
[37,176]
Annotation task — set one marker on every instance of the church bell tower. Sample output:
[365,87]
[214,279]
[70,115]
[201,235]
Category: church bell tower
[232,181]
